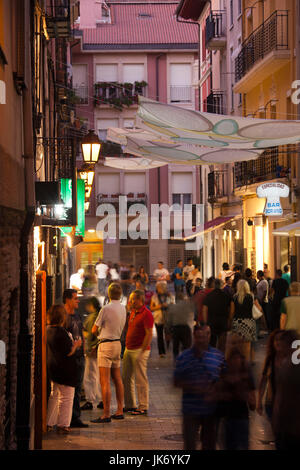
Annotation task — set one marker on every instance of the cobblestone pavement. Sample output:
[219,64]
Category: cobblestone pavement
[161,429]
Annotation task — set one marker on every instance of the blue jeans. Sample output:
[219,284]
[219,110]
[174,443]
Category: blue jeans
[101,286]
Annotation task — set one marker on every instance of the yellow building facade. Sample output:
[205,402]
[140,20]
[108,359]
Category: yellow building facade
[265,70]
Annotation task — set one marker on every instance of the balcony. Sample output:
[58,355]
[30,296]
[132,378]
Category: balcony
[216,185]
[118,95]
[180,94]
[215,31]
[132,198]
[272,164]
[58,18]
[81,94]
[215,103]
[264,52]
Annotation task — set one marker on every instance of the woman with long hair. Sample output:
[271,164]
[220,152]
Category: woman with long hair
[62,370]
[275,358]
[144,276]
[243,322]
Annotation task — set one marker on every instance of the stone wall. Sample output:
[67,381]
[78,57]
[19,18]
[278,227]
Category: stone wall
[11,222]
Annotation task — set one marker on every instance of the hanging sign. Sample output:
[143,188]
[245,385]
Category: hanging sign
[66,195]
[273,192]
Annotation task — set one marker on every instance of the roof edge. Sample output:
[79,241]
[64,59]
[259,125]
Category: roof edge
[191,9]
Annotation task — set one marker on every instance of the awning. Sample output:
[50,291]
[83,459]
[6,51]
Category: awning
[217,223]
[288,230]
[171,134]
[211,225]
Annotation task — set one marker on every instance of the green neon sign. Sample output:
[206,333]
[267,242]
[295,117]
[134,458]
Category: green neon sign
[66,195]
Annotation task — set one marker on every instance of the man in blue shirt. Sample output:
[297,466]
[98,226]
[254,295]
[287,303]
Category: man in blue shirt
[179,282]
[197,369]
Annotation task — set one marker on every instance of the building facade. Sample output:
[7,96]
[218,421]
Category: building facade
[126,49]
[252,59]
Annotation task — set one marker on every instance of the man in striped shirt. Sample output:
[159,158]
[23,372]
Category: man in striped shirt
[196,371]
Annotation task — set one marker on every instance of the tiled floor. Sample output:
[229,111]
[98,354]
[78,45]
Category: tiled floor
[161,429]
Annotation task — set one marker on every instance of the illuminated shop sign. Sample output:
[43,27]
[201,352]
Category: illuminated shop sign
[66,195]
[273,192]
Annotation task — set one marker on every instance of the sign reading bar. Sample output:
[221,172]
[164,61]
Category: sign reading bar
[273,192]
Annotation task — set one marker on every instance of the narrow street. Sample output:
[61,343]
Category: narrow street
[161,429]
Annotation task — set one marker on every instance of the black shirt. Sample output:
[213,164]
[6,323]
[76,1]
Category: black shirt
[280,287]
[218,303]
[74,326]
[62,369]
[243,310]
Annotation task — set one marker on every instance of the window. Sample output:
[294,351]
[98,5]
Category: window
[134,183]
[133,73]
[103,125]
[231,12]
[182,184]
[107,73]
[109,183]
[180,83]
[80,82]
[182,199]
[239,7]
[79,73]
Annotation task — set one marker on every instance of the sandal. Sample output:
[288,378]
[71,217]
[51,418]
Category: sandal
[101,420]
[139,412]
[117,416]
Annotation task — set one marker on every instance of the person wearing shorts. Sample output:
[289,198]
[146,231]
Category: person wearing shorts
[111,321]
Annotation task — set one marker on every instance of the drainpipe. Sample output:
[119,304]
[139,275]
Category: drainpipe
[157,99]
[25,337]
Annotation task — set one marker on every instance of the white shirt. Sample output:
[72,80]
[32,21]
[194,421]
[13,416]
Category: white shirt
[111,320]
[114,274]
[188,270]
[101,270]
[76,281]
[161,275]
[224,274]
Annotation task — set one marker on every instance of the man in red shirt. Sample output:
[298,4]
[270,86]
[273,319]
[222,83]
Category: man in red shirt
[138,340]
[200,296]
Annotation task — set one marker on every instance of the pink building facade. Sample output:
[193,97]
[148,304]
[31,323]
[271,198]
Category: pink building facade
[143,44]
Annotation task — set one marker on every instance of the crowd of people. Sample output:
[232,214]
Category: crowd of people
[212,329]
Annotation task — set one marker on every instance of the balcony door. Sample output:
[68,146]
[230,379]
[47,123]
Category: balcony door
[180,83]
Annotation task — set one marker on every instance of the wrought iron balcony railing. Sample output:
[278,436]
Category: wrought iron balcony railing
[215,36]
[118,95]
[215,103]
[216,184]
[267,167]
[58,18]
[271,35]
[180,94]
[132,198]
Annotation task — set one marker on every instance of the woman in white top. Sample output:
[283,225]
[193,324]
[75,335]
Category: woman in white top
[225,272]
[114,273]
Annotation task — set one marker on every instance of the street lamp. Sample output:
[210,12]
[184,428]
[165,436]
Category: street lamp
[87,174]
[90,147]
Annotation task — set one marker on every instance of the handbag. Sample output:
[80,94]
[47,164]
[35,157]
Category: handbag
[256,313]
